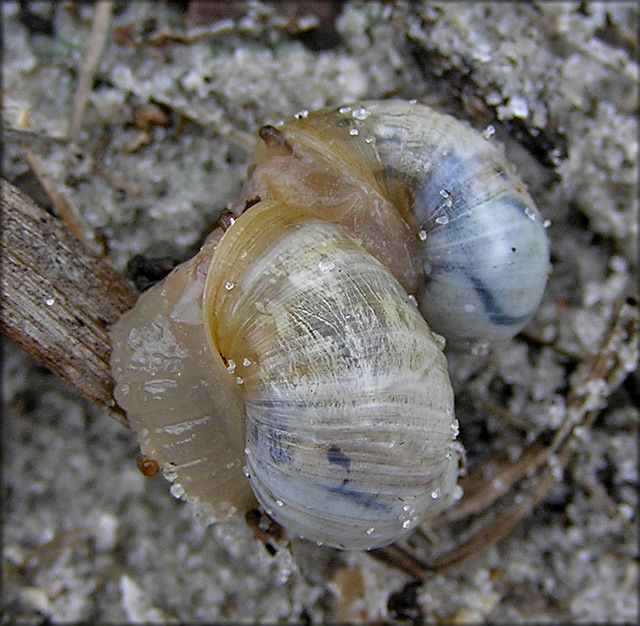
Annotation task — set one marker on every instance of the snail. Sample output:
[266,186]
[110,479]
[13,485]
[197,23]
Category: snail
[289,361]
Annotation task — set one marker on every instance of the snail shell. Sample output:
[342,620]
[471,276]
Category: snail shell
[349,409]
[305,366]
[460,231]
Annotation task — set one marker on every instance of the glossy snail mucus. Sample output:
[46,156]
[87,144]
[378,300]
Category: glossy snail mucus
[290,350]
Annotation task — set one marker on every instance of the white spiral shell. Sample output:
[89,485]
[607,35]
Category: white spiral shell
[349,409]
[306,366]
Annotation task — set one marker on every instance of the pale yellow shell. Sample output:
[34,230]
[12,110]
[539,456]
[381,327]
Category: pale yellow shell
[349,410]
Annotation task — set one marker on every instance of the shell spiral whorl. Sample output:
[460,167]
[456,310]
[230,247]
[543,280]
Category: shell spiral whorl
[297,326]
[460,231]
[332,357]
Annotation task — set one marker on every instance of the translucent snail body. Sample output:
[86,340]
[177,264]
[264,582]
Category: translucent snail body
[288,361]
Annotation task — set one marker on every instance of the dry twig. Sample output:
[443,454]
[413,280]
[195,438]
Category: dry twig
[95,45]
[58,299]
[60,203]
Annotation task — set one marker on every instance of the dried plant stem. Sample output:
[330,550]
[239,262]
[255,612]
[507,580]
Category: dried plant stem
[93,52]
[58,298]
[60,203]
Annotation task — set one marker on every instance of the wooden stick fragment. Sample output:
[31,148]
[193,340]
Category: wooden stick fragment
[60,203]
[59,299]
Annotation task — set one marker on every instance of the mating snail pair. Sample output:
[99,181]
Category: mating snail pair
[289,360]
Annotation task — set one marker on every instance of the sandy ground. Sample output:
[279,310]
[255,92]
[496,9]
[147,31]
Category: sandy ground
[85,535]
